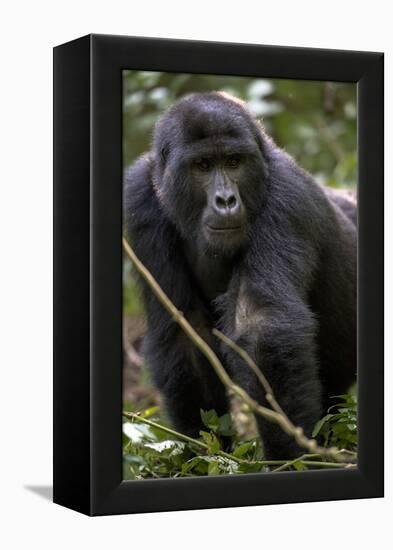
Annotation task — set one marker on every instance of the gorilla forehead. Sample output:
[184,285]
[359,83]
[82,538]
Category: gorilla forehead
[211,117]
[212,120]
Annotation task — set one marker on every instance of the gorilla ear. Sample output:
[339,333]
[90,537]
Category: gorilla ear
[260,138]
[259,134]
[164,152]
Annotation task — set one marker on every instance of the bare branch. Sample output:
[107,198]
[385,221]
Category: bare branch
[257,371]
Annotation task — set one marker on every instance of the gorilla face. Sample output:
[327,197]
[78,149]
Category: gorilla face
[223,219]
[210,174]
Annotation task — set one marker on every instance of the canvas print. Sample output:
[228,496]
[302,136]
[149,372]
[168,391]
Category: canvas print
[239,275]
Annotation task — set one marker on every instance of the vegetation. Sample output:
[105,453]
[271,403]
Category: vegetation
[155,450]
[339,426]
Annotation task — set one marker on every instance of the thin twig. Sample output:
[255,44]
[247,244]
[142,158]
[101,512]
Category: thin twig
[292,462]
[322,464]
[257,371]
[304,459]
[274,416]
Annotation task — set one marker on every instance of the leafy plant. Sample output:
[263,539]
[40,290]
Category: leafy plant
[339,427]
[152,452]
[155,450]
[220,425]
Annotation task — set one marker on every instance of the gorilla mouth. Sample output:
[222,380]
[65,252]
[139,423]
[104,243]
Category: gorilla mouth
[223,229]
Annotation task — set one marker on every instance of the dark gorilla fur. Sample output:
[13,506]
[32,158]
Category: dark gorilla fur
[241,238]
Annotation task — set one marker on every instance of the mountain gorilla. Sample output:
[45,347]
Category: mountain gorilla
[242,239]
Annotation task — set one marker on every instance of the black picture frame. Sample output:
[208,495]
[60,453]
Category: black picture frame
[88,274]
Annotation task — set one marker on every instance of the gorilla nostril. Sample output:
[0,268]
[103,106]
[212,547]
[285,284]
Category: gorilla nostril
[221,203]
[231,201]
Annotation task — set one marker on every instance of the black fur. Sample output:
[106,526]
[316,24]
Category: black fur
[282,284]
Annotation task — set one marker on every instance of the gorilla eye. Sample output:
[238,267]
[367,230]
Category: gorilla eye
[203,164]
[233,161]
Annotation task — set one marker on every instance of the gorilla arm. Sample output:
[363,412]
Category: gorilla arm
[184,377]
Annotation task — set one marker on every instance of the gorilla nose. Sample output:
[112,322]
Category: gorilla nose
[226,203]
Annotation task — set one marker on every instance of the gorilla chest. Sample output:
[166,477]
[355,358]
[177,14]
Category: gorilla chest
[211,274]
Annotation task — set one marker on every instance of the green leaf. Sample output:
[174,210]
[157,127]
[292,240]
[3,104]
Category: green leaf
[211,441]
[249,468]
[213,469]
[225,426]
[339,428]
[299,466]
[193,464]
[243,449]
[210,419]
[150,412]
[134,459]
[319,424]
